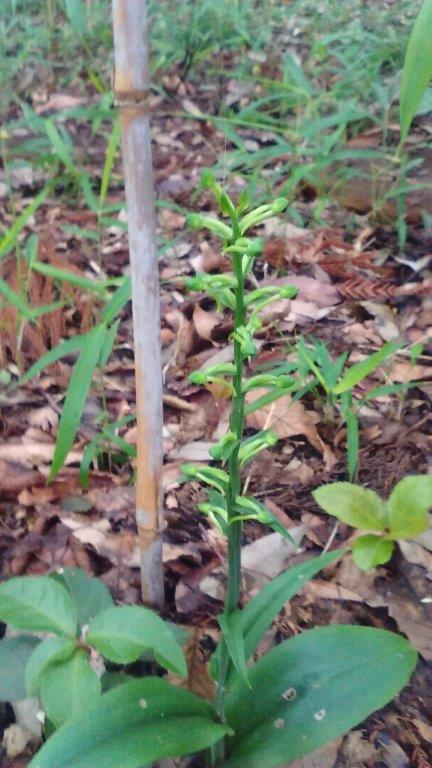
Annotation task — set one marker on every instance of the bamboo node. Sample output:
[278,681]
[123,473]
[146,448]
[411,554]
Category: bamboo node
[135,99]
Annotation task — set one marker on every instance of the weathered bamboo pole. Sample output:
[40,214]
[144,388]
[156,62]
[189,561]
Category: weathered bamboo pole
[131,88]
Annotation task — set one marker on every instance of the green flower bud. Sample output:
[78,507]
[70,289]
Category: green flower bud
[279,205]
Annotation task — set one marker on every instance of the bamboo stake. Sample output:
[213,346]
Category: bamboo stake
[131,88]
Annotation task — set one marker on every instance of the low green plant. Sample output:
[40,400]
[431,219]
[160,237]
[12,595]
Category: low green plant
[337,380]
[80,625]
[94,349]
[303,693]
[403,516]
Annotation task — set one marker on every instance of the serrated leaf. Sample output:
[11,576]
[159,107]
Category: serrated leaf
[52,650]
[352,504]
[69,688]
[311,689]
[37,604]
[90,595]
[417,70]
[408,506]
[14,655]
[135,723]
[369,551]
[124,632]
[76,396]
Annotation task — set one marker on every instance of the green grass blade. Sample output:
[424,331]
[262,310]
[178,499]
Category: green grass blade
[79,281]
[61,350]
[417,70]
[14,299]
[361,370]
[76,397]
[110,157]
[11,237]
[117,301]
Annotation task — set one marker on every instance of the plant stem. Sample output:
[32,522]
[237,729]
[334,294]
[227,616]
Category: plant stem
[235,529]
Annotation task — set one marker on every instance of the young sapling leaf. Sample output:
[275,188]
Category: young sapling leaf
[408,506]
[352,504]
[370,550]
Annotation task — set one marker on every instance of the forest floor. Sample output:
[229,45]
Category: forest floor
[363,268]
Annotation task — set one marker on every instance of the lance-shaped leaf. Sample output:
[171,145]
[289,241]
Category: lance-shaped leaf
[69,688]
[417,71]
[37,604]
[124,632]
[231,625]
[311,689]
[14,655]
[76,396]
[136,723]
[261,610]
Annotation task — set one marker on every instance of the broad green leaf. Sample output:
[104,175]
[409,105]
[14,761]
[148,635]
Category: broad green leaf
[52,650]
[231,626]
[370,550]
[124,632]
[311,689]
[359,371]
[14,655]
[352,504]
[69,688]
[408,506]
[76,14]
[61,350]
[90,595]
[417,70]
[139,722]
[37,604]
[76,397]
[261,610]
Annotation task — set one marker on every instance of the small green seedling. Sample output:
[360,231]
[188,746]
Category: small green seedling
[303,693]
[81,628]
[337,380]
[403,516]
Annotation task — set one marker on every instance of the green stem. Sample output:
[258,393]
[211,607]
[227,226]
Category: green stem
[235,529]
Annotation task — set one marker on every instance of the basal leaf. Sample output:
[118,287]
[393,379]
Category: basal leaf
[311,689]
[37,604]
[14,655]
[90,595]
[69,688]
[231,626]
[352,504]
[135,723]
[76,396]
[369,551]
[52,650]
[417,71]
[408,506]
[123,633]
[261,610]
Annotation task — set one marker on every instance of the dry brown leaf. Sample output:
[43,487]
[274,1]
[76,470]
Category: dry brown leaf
[119,547]
[268,556]
[198,678]
[205,322]
[34,454]
[288,419]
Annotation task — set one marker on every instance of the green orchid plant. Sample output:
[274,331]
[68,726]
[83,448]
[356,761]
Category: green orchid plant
[267,712]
